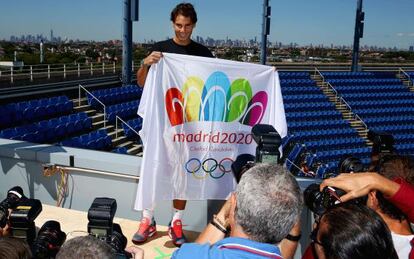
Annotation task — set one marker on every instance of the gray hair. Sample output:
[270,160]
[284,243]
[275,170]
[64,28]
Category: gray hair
[85,247]
[269,203]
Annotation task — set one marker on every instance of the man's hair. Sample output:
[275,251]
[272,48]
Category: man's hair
[269,203]
[14,248]
[186,10]
[85,247]
[355,231]
[394,166]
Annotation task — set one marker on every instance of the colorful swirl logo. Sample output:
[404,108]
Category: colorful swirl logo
[209,167]
[217,99]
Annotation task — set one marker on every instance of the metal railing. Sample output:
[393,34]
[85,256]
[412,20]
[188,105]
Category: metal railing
[94,97]
[317,72]
[342,101]
[47,71]
[116,126]
[407,76]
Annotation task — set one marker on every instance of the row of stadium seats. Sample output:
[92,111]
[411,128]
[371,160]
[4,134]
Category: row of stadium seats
[365,81]
[381,112]
[47,131]
[337,143]
[317,124]
[297,82]
[362,104]
[301,106]
[389,120]
[361,96]
[408,128]
[114,95]
[370,88]
[14,114]
[294,75]
[301,90]
[313,115]
[305,97]
[98,140]
[348,75]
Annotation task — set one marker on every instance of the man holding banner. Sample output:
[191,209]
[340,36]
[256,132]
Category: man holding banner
[197,118]
[184,19]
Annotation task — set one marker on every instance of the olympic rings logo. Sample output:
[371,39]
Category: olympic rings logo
[209,167]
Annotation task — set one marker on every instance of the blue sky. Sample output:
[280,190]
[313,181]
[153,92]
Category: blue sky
[388,22]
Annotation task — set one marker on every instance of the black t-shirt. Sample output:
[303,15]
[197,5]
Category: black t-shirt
[194,48]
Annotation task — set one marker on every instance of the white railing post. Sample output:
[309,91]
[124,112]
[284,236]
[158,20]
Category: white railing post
[0,73]
[48,71]
[114,67]
[64,70]
[103,68]
[91,68]
[11,74]
[78,69]
[31,73]
[132,66]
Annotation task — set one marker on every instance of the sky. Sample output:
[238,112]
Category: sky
[388,23]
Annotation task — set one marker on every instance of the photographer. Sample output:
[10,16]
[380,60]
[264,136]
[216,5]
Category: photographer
[352,231]
[85,247]
[14,248]
[260,214]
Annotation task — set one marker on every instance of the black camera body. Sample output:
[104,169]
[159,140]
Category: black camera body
[268,142]
[100,216]
[319,201]
[14,195]
[383,143]
[22,219]
[267,150]
[49,240]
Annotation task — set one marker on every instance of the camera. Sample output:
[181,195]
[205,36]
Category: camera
[100,216]
[268,142]
[350,164]
[14,195]
[22,219]
[267,150]
[383,143]
[49,240]
[318,202]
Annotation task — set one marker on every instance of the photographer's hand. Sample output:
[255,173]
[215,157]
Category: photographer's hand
[136,252]
[360,184]
[288,247]
[213,232]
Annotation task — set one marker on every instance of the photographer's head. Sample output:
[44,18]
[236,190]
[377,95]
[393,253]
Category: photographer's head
[266,204]
[352,231]
[14,248]
[391,166]
[85,247]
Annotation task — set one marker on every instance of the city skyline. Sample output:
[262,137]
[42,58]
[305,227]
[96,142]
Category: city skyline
[387,23]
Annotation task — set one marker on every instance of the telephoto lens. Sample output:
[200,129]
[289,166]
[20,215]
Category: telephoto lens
[49,240]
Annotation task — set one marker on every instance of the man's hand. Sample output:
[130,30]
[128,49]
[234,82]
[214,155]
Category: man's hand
[360,184]
[152,58]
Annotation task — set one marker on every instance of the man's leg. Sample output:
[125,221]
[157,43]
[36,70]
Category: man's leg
[147,227]
[175,228]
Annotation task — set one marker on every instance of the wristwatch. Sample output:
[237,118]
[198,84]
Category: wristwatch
[142,64]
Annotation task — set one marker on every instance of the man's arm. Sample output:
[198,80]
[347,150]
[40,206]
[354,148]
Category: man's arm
[142,72]
[211,234]
[360,184]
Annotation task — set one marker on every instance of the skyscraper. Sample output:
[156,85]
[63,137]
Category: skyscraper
[51,36]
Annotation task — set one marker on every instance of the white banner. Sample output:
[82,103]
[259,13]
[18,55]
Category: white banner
[197,118]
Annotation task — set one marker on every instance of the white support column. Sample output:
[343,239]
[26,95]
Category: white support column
[78,69]
[11,75]
[103,68]
[91,68]
[31,73]
[48,71]
[64,70]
